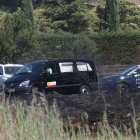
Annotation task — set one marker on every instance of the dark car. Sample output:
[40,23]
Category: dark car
[66,75]
[126,82]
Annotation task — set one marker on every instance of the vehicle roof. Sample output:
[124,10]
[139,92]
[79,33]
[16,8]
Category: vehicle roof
[65,59]
[11,65]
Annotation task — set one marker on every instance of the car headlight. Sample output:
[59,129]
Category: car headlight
[25,83]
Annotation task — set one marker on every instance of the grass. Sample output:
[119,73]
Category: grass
[19,121]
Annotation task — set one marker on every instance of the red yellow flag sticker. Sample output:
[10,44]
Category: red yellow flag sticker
[51,84]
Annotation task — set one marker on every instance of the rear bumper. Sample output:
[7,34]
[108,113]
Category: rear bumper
[94,86]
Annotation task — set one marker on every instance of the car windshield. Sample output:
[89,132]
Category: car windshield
[30,68]
[129,70]
[10,70]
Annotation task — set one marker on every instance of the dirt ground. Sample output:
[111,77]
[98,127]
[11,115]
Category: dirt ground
[99,107]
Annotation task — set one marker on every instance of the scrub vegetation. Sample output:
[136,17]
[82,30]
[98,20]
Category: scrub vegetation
[39,29]
[45,117]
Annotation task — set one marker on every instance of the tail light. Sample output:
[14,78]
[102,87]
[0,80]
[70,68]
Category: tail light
[95,69]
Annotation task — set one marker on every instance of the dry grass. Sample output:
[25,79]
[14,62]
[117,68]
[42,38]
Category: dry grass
[19,121]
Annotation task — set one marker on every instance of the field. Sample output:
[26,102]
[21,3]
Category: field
[72,116]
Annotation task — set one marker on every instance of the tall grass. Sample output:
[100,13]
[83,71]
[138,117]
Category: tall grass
[19,121]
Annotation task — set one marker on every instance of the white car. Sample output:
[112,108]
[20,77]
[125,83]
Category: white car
[8,70]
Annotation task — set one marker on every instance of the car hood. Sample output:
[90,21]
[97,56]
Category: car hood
[19,78]
[121,77]
[112,76]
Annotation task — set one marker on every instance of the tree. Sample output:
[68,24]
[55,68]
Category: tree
[112,15]
[15,37]
[129,14]
[72,16]
[27,8]
[43,19]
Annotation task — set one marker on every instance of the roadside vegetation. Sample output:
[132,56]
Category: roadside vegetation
[38,121]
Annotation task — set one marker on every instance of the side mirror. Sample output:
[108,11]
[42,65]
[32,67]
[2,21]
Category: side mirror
[1,73]
[44,73]
[134,73]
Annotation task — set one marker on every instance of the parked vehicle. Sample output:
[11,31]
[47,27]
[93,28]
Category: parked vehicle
[126,82]
[66,75]
[6,71]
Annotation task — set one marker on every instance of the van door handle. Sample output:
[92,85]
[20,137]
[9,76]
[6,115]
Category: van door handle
[56,76]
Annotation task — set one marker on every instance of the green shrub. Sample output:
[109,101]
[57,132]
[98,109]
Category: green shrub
[117,47]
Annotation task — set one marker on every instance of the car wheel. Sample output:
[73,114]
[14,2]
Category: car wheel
[35,90]
[122,88]
[84,90]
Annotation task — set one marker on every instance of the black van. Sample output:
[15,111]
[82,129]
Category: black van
[67,75]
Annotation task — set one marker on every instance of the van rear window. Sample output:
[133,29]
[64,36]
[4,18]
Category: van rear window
[81,66]
[66,67]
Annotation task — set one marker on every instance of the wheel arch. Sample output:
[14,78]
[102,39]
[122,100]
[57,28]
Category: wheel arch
[122,82]
[82,84]
[37,84]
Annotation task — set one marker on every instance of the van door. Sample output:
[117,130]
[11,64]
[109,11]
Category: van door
[135,80]
[86,75]
[51,80]
[68,76]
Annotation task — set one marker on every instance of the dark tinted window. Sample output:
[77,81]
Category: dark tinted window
[30,68]
[138,71]
[11,70]
[52,66]
[1,69]
[129,70]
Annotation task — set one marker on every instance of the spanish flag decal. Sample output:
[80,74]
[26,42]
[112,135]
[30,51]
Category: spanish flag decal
[51,84]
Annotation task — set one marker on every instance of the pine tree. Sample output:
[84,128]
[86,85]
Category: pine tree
[27,8]
[112,15]
[72,16]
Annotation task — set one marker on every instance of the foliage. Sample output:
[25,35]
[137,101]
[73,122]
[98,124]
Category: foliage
[43,19]
[66,45]
[83,47]
[15,38]
[112,15]
[27,8]
[117,48]
[73,16]
[129,14]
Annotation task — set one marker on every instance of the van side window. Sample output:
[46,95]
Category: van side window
[66,67]
[52,67]
[82,66]
[1,70]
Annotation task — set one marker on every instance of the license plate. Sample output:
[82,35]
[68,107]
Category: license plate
[11,90]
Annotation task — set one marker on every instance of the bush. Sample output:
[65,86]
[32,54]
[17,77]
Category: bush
[67,45]
[117,47]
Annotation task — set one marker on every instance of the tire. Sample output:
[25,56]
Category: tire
[122,89]
[35,90]
[84,90]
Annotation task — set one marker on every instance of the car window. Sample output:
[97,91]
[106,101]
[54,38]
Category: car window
[66,67]
[30,68]
[1,69]
[129,70]
[82,66]
[51,67]
[138,71]
[11,69]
